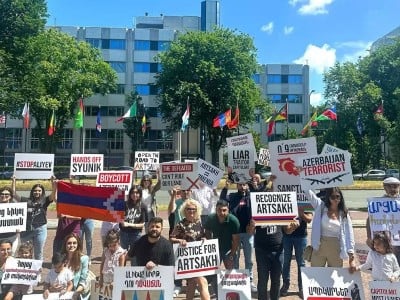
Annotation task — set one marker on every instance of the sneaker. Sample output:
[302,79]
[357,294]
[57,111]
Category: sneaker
[253,288]
[284,289]
[177,291]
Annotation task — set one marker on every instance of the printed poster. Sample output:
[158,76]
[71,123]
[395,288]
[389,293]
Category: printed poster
[33,165]
[183,174]
[147,160]
[121,180]
[86,164]
[384,290]
[264,157]
[13,217]
[21,271]
[234,284]
[209,174]
[241,163]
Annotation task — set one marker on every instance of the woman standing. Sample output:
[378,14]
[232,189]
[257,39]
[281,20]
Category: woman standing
[135,216]
[78,263]
[36,223]
[189,229]
[332,236]
[149,195]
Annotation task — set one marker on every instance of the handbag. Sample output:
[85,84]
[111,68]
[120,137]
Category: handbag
[307,253]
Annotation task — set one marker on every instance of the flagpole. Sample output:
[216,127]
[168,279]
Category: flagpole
[187,133]
[287,118]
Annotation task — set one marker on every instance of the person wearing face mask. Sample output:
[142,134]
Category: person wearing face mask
[36,223]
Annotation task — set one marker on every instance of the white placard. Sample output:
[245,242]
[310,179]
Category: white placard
[273,208]
[183,174]
[122,180]
[131,282]
[244,140]
[331,283]
[147,160]
[325,170]
[52,296]
[33,165]
[13,217]
[384,290]
[199,258]
[86,164]
[264,157]
[234,284]
[21,271]
[241,163]
[208,173]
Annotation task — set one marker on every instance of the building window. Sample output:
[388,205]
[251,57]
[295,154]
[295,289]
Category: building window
[295,98]
[281,98]
[118,66]
[141,67]
[105,111]
[163,45]
[291,79]
[34,139]
[295,79]
[120,89]
[276,98]
[115,139]
[274,78]
[256,78]
[295,118]
[146,89]
[153,112]
[141,45]
[115,44]
[91,139]
[95,43]
[66,139]
[13,138]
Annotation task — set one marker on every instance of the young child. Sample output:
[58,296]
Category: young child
[16,291]
[113,255]
[381,259]
[59,279]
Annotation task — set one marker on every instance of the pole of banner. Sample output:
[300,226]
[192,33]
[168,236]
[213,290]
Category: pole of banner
[287,119]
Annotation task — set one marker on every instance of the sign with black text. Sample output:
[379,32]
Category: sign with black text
[86,164]
[33,165]
[13,217]
[234,284]
[209,174]
[183,174]
[264,157]
[21,271]
[147,160]
[122,180]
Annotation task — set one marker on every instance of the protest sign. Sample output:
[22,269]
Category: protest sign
[325,170]
[331,283]
[273,208]
[183,174]
[384,290]
[143,284]
[208,173]
[196,259]
[241,163]
[33,165]
[52,296]
[361,252]
[244,140]
[13,217]
[264,157]
[86,164]
[284,155]
[121,180]
[21,271]
[383,216]
[147,160]
[234,285]
[100,293]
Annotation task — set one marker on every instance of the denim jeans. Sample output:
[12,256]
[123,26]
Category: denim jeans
[247,244]
[299,243]
[269,264]
[127,241]
[87,229]
[38,237]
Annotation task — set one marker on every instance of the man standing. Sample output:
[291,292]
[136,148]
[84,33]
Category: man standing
[153,249]
[240,207]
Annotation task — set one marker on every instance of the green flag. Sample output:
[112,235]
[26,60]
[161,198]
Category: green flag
[79,115]
[130,113]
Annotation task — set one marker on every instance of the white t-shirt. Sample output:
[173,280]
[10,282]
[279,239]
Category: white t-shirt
[329,227]
[59,279]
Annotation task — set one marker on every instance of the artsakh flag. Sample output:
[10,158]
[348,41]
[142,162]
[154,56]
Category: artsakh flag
[222,119]
[329,114]
[52,127]
[90,202]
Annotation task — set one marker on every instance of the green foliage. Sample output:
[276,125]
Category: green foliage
[211,70]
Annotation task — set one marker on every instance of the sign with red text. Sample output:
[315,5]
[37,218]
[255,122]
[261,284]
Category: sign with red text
[143,284]
[321,283]
[33,165]
[234,284]
[384,290]
[208,173]
[325,170]
[13,217]
[21,271]
[147,160]
[122,180]
[284,155]
[86,164]
[183,174]
[273,208]
[199,258]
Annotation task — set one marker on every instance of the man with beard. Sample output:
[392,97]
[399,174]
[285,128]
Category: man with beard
[153,249]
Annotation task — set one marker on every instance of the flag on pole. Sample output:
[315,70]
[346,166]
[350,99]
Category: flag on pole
[329,114]
[222,119]
[310,123]
[278,116]
[378,114]
[79,115]
[52,127]
[144,120]
[98,122]
[185,117]
[3,118]
[234,123]
[130,113]
[25,114]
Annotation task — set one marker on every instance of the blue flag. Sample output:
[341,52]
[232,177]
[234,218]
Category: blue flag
[98,122]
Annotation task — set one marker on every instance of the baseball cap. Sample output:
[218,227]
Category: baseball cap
[391,180]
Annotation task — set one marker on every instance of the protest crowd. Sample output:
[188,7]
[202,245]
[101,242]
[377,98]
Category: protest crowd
[208,231]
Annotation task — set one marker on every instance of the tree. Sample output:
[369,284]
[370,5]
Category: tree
[60,71]
[211,70]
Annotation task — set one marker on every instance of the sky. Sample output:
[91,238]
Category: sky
[314,32]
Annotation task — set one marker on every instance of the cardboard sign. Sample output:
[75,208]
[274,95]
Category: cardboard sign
[325,170]
[208,173]
[273,208]
[383,216]
[142,284]
[86,164]
[264,157]
[384,290]
[198,258]
[122,180]
[21,271]
[284,155]
[147,160]
[241,163]
[183,174]
[331,283]
[13,217]
[234,284]
[33,165]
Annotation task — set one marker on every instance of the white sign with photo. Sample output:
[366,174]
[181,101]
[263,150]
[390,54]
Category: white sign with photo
[264,157]
[33,165]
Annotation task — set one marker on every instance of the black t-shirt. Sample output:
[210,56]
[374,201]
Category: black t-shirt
[37,212]
[160,252]
[269,238]
[134,214]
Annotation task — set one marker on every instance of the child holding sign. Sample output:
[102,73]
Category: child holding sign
[59,279]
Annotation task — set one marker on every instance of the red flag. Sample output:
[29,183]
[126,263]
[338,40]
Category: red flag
[25,114]
[222,119]
[234,123]
[52,126]
[270,127]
